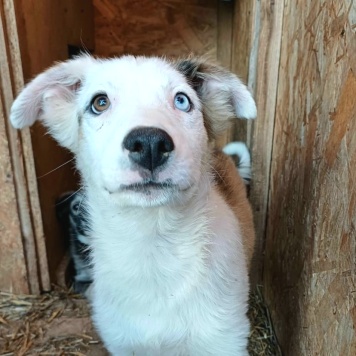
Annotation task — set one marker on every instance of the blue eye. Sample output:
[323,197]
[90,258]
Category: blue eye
[182,102]
[100,103]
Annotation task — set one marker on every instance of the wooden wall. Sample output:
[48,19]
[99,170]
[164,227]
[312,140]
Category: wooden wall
[310,254]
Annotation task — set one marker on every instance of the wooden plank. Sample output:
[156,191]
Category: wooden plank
[265,57]
[310,264]
[26,147]
[22,198]
[42,41]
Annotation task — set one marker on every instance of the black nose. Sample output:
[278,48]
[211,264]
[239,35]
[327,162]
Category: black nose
[149,147]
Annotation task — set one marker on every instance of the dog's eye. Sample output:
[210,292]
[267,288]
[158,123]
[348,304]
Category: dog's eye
[100,103]
[182,102]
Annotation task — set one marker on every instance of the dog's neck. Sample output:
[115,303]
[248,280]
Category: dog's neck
[143,246]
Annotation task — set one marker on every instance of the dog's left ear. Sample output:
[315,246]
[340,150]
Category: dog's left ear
[223,95]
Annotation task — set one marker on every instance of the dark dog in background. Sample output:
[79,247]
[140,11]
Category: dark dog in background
[72,216]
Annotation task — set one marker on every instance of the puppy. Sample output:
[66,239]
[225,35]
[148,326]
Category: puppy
[72,216]
[172,228]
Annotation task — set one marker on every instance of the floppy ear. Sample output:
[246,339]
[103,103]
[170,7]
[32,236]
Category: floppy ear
[50,97]
[223,95]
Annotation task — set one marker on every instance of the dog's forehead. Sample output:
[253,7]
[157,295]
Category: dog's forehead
[150,73]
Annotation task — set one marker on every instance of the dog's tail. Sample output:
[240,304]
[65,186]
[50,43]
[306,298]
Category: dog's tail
[243,159]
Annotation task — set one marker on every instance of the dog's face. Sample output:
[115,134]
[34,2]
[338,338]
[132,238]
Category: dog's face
[142,135]
[139,127]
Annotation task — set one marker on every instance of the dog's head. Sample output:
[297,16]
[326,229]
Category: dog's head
[139,127]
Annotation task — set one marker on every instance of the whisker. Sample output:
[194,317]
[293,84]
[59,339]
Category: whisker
[84,47]
[63,201]
[53,170]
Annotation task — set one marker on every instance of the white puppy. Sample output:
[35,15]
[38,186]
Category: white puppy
[171,225]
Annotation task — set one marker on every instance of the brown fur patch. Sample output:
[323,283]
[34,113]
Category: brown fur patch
[233,190]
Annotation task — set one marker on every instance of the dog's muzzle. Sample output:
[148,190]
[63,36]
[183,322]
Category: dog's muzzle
[149,147]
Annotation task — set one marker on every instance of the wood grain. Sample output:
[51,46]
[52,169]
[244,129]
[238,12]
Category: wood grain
[150,27]
[310,264]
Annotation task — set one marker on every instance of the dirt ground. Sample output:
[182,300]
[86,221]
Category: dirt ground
[58,323]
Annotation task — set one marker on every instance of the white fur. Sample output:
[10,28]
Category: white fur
[170,276]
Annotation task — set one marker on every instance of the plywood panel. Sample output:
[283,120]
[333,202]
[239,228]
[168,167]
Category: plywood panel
[310,265]
[152,27]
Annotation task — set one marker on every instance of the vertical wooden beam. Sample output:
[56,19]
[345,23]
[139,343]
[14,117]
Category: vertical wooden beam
[264,71]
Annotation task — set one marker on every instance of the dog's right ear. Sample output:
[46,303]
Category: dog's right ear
[50,97]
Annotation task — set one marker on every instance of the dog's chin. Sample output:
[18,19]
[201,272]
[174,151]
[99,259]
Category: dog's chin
[149,194]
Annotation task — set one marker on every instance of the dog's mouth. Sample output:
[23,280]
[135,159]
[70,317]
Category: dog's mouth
[146,187]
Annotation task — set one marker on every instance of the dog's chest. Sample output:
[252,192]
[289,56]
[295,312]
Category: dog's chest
[150,259]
